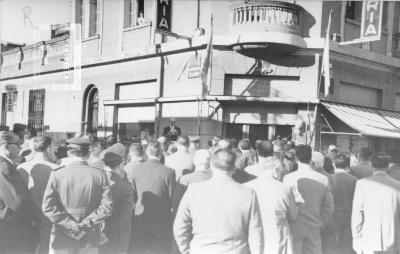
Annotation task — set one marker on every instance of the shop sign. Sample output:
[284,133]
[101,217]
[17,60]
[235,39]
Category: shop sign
[164,15]
[371,19]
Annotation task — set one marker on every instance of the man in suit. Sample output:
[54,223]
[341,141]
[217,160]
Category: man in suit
[202,172]
[77,200]
[36,173]
[343,198]
[312,192]
[219,215]
[182,159]
[152,222]
[375,216]
[18,212]
[277,204]
[172,132]
[363,167]
[118,225]
[264,151]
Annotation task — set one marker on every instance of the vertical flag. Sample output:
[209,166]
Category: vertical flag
[326,69]
[206,71]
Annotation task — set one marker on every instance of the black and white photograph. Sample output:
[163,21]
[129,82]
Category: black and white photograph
[199,127]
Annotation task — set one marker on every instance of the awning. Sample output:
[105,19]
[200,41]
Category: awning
[367,121]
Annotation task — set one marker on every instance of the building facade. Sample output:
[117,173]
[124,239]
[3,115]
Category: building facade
[130,65]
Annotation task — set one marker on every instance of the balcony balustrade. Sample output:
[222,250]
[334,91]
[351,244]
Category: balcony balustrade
[262,23]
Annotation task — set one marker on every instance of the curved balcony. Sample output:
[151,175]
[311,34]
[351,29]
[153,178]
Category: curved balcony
[270,25]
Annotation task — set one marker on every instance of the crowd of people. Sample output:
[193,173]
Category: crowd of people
[86,195]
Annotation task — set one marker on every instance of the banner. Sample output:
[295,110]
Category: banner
[371,20]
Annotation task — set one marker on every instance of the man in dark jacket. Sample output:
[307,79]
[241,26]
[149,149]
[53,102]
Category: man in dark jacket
[18,212]
[172,132]
[77,200]
[118,225]
[152,223]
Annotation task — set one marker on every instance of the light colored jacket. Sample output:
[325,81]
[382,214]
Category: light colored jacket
[277,207]
[179,161]
[375,217]
[312,193]
[219,216]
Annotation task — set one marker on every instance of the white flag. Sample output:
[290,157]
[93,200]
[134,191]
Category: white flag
[326,70]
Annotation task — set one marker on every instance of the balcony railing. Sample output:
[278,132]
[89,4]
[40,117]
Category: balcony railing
[273,14]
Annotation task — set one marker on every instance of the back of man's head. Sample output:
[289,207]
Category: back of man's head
[224,160]
[318,160]
[364,154]
[183,140]
[224,144]
[380,161]
[41,143]
[154,149]
[136,149]
[201,159]
[341,161]
[303,153]
[244,144]
[265,148]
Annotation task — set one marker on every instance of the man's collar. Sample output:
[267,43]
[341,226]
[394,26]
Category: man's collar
[380,173]
[304,166]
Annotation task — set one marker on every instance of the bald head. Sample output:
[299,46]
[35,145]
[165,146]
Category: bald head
[183,140]
[224,160]
[201,159]
[224,144]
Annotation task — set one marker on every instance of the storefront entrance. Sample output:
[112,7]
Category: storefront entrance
[255,132]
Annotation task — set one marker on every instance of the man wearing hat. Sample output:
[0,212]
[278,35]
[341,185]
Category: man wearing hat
[36,173]
[77,200]
[118,225]
[18,212]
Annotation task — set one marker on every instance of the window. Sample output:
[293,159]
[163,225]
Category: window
[350,9]
[354,10]
[133,12]
[93,17]
[89,17]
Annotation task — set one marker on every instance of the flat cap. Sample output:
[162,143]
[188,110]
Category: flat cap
[79,143]
[19,126]
[117,149]
[194,138]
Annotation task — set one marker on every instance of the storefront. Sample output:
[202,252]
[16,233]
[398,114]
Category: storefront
[351,127]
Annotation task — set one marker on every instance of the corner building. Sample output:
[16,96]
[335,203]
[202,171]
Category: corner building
[131,65]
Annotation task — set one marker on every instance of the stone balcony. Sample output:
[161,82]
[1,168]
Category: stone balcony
[273,27]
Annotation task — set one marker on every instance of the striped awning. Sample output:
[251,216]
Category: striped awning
[367,121]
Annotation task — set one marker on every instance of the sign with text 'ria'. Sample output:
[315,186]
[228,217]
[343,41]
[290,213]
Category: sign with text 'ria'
[371,20]
[164,15]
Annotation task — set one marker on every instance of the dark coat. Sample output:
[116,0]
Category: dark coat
[75,194]
[18,212]
[152,222]
[172,136]
[118,225]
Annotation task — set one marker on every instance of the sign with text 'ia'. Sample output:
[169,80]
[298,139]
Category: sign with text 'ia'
[164,15]
[371,20]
